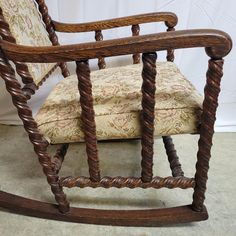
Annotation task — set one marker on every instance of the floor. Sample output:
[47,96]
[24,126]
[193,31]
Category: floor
[20,173]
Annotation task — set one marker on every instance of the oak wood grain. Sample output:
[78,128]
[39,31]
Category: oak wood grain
[168,17]
[146,217]
[217,43]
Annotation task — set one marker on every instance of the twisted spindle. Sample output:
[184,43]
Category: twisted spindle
[21,68]
[30,89]
[168,142]
[212,90]
[50,29]
[148,106]
[40,145]
[135,32]
[88,118]
[59,156]
[170,52]
[173,159]
[130,182]
[101,60]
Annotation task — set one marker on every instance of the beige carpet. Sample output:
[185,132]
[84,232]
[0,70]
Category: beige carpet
[21,174]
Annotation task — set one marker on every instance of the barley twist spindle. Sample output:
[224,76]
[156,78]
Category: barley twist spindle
[130,182]
[59,156]
[101,60]
[172,157]
[135,32]
[40,145]
[147,119]
[212,90]
[21,68]
[170,52]
[88,118]
[50,29]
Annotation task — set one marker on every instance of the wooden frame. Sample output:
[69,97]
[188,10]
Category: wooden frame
[217,44]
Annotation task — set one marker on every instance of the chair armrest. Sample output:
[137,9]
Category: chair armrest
[217,43]
[169,18]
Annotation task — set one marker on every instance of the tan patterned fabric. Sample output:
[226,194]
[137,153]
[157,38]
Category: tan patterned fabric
[27,28]
[117,104]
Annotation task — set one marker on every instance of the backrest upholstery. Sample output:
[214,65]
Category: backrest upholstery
[27,27]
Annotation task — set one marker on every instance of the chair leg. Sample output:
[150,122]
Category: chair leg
[212,90]
[172,157]
[40,145]
[51,174]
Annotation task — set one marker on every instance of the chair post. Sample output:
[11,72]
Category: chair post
[88,118]
[148,106]
[210,104]
[40,145]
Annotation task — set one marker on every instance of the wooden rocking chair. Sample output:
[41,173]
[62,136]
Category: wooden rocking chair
[151,97]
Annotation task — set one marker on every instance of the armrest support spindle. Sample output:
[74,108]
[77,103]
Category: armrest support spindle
[147,115]
[88,118]
[101,60]
[210,104]
[135,32]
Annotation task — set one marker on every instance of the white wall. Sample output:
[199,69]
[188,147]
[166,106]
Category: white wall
[193,63]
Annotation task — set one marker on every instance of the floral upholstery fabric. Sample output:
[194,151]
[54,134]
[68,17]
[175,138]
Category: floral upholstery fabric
[117,104]
[27,28]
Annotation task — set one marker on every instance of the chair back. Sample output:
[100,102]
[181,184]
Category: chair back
[27,22]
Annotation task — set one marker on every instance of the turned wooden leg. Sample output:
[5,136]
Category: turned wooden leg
[210,104]
[172,157]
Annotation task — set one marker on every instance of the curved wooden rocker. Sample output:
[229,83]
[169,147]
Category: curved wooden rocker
[217,43]
[154,217]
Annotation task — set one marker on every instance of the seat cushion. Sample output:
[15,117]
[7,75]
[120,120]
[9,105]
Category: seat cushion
[117,104]
[27,28]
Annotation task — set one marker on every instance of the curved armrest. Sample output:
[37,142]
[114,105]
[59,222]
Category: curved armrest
[168,17]
[217,43]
